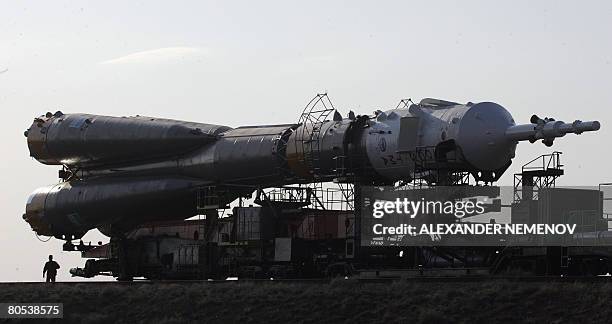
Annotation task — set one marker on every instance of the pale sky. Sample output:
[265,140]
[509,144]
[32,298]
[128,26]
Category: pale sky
[257,62]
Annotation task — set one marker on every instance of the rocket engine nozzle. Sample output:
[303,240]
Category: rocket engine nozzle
[548,129]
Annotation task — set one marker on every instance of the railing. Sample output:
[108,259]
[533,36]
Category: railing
[318,197]
[549,161]
[541,172]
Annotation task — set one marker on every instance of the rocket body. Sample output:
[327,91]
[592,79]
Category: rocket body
[123,171]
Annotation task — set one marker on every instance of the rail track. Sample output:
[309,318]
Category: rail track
[601,279]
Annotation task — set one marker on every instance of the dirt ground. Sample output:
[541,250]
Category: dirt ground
[341,301]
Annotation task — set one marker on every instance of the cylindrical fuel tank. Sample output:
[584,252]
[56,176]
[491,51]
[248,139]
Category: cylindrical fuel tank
[83,139]
[73,208]
[319,150]
[244,155]
[241,156]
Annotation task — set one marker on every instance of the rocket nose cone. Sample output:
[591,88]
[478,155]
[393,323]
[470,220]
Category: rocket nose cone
[37,136]
[38,225]
[35,211]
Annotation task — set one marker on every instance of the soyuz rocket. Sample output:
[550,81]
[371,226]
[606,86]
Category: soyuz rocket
[119,172]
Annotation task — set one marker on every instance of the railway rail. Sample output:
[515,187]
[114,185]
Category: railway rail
[569,279]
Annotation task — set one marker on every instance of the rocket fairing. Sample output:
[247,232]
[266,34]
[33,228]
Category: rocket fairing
[123,171]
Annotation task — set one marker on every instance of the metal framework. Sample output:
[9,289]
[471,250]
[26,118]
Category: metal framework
[326,197]
[425,160]
[541,172]
[404,103]
[315,113]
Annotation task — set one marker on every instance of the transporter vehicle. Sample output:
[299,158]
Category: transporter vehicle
[172,195]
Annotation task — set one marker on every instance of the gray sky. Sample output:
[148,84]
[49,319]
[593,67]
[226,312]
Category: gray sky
[255,62]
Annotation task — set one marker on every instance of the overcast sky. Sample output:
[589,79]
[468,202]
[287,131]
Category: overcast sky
[255,62]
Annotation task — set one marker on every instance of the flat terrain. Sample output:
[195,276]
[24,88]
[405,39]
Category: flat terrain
[341,301]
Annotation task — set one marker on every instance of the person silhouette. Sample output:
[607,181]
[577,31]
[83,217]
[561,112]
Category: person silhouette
[50,269]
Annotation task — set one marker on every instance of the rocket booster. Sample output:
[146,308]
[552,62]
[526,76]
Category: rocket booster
[122,171]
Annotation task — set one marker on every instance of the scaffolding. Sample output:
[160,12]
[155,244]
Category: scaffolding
[323,197]
[312,119]
[430,168]
[541,172]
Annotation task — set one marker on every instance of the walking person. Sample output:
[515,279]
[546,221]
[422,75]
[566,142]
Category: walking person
[50,269]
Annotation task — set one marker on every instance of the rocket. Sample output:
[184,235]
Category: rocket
[119,172]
